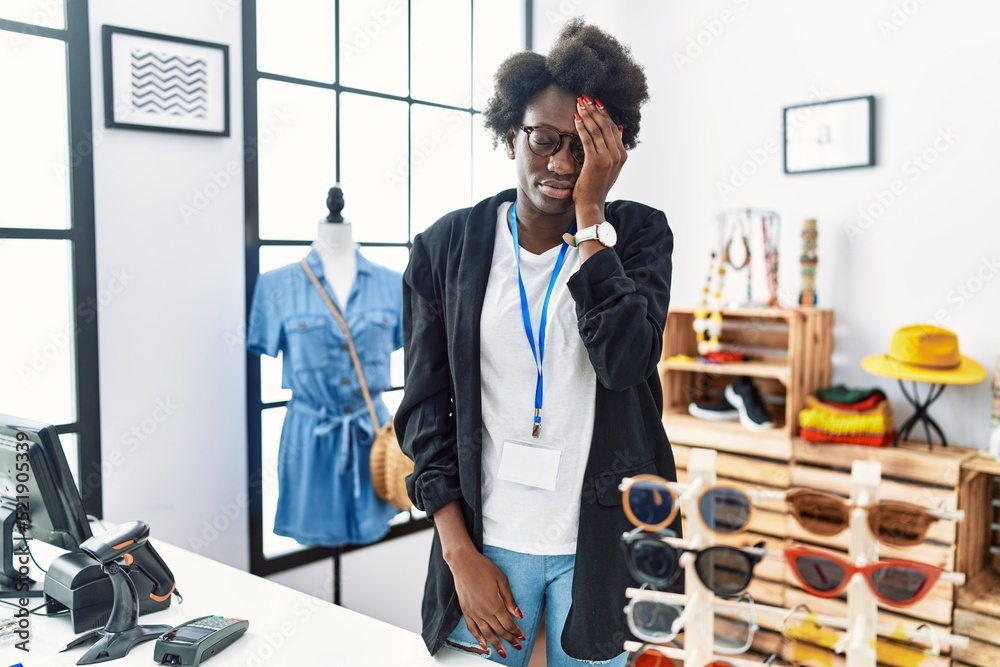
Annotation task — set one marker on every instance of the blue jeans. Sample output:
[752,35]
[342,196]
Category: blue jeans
[537,582]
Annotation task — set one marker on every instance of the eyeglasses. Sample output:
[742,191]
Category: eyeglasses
[891,522]
[659,622]
[895,582]
[651,504]
[724,570]
[546,142]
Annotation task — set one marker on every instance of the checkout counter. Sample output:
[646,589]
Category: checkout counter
[287,628]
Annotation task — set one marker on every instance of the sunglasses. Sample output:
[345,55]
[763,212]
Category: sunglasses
[651,504]
[898,583]
[660,622]
[811,642]
[652,655]
[895,523]
[724,570]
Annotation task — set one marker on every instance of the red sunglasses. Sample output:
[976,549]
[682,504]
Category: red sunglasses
[895,582]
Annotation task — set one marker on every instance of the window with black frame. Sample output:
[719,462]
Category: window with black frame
[383,97]
[49,298]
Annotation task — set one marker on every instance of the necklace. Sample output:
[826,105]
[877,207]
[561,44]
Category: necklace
[726,256]
[704,321]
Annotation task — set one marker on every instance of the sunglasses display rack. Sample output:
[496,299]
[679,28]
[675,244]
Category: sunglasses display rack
[894,580]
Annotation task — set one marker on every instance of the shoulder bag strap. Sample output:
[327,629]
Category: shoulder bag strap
[350,341]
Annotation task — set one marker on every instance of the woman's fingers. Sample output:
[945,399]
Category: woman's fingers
[598,128]
[487,603]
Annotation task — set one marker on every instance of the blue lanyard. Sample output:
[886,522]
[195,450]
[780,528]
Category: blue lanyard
[539,352]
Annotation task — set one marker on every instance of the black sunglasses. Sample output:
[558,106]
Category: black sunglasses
[724,570]
[546,142]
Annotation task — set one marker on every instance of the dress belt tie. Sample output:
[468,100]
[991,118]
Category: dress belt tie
[357,424]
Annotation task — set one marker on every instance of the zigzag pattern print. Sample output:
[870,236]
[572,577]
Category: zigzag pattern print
[169,85]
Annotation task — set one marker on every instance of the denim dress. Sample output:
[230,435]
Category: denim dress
[325,495]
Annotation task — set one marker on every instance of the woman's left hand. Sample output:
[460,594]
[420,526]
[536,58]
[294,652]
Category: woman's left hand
[604,151]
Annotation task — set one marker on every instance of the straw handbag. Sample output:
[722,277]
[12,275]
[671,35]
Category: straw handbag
[389,465]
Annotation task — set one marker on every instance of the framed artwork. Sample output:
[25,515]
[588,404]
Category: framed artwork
[165,84]
[837,134]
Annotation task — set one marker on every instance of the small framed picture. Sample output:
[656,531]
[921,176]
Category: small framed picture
[165,84]
[838,134]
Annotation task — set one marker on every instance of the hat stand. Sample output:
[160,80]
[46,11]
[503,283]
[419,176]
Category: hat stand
[920,414]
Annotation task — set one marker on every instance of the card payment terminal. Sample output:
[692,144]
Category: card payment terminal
[190,643]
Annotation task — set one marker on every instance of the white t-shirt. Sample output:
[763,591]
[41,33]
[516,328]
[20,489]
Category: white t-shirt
[518,517]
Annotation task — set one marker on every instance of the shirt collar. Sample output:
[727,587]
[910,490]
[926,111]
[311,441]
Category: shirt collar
[316,264]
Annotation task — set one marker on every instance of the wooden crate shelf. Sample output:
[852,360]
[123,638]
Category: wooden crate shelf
[977,606]
[788,356]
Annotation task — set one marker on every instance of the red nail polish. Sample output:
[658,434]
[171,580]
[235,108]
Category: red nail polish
[586,98]
[577,116]
[521,638]
[503,653]
[579,102]
[517,610]
[621,128]
[517,646]
[599,104]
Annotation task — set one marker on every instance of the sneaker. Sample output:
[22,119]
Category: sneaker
[743,394]
[714,411]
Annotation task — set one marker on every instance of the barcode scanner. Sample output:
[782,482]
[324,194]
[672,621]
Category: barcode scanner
[119,551]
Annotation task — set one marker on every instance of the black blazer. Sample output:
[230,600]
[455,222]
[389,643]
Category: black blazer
[621,300]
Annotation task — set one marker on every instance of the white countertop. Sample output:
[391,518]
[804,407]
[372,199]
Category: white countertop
[287,628]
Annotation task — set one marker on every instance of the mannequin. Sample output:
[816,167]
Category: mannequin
[335,247]
[325,493]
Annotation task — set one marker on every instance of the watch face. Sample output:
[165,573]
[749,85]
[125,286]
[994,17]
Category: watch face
[607,234]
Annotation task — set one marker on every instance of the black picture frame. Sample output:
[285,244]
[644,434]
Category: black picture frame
[830,135]
[162,83]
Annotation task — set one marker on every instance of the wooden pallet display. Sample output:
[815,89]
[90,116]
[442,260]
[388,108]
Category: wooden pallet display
[977,608]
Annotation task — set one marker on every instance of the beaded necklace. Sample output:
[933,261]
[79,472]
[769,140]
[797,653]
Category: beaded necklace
[706,322]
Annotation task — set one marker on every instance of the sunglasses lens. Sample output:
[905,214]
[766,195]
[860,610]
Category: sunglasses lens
[649,657]
[725,510]
[899,524]
[819,513]
[650,502]
[653,562]
[654,620]
[725,570]
[732,631]
[818,573]
[899,584]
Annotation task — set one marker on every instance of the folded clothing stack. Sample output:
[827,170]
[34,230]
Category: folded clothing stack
[850,416]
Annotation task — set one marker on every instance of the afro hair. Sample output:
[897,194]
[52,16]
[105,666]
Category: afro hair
[584,59]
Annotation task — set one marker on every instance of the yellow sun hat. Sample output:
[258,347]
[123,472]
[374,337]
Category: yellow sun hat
[925,353]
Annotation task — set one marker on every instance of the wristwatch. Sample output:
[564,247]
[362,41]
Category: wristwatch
[604,233]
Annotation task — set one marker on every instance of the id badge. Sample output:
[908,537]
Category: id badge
[531,461]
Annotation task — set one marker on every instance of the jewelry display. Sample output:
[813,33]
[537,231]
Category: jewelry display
[744,245]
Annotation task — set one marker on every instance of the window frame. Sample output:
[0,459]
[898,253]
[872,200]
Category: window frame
[82,238]
[259,563]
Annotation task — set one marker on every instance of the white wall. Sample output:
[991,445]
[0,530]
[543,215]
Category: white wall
[932,68]
[165,367]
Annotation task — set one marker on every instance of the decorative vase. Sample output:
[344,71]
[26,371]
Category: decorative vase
[807,293]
